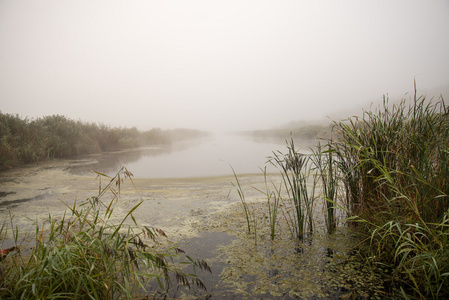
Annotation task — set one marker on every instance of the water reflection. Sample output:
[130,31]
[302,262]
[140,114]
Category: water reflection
[204,157]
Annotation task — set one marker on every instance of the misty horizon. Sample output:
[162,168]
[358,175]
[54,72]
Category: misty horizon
[217,66]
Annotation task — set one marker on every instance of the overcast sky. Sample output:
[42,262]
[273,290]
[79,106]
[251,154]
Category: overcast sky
[215,65]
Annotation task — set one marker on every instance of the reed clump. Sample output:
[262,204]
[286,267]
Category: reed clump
[396,170]
[388,172]
[328,174]
[295,171]
[291,201]
[90,253]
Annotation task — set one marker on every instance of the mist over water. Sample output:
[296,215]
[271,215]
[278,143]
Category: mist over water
[211,156]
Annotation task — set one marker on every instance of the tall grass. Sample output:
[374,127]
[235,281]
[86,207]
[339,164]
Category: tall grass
[90,253]
[294,169]
[392,168]
[327,172]
[395,166]
[273,202]
[417,251]
[304,178]
[297,209]
[249,216]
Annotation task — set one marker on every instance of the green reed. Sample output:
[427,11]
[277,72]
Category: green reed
[294,169]
[326,169]
[394,163]
[250,216]
[389,171]
[89,253]
[243,202]
[416,251]
[273,202]
[274,199]
[294,196]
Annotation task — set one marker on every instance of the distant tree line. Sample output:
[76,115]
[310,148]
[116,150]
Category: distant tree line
[24,141]
[304,132]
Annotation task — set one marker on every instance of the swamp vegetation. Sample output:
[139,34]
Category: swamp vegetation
[381,180]
[385,176]
[395,169]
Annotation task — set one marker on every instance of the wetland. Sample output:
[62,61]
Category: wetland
[361,216]
[199,210]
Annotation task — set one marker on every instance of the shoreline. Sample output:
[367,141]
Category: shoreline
[33,191]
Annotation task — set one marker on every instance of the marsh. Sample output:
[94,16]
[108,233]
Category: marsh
[187,191]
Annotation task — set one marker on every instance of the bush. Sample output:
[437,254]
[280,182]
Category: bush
[23,141]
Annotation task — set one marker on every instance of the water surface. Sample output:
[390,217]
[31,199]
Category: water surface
[198,158]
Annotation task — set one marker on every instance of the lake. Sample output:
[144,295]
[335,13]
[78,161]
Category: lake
[211,156]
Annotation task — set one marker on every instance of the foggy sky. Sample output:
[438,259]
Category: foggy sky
[215,65]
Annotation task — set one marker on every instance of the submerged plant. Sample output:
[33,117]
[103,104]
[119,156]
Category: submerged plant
[89,254]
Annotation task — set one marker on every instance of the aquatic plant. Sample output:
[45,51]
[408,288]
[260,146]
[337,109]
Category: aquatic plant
[90,252]
[294,169]
[324,165]
[418,251]
[250,217]
[274,199]
[295,194]
[273,202]
[391,166]
[394,163]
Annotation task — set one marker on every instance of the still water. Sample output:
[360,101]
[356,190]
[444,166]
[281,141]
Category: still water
[212,156]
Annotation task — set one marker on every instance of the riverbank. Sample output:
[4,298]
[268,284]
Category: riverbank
[24,141]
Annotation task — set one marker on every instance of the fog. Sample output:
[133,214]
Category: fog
[215,65]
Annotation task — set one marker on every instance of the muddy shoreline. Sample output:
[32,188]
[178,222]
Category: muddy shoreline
[32,192]
[193,212]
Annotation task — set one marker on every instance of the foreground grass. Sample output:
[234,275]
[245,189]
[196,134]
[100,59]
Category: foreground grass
[395,167]
[91,254]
